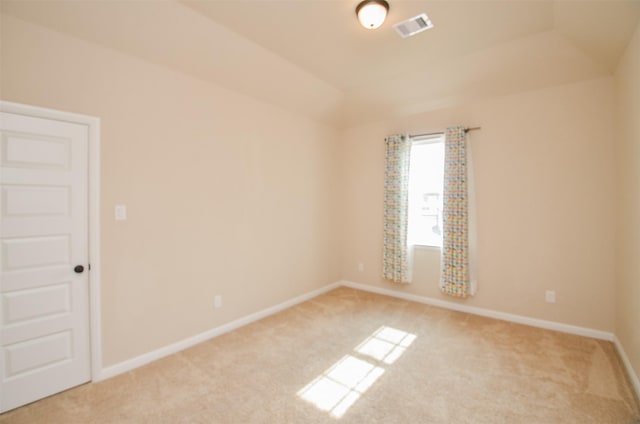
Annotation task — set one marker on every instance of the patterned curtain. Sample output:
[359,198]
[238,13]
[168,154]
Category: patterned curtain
[395,261]
[454,278]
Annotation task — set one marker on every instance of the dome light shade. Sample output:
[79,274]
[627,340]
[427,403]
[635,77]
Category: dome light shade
[372,13]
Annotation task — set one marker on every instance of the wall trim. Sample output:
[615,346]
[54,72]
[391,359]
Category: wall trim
[154,355]
[635,380]
[520,319]
[93,123]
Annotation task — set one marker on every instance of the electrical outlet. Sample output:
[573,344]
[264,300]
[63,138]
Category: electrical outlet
[360,267]
[550,296]
[217,301]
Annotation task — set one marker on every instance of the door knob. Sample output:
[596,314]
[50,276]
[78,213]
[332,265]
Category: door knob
[78,269]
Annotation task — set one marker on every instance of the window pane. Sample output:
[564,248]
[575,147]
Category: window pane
[425,193]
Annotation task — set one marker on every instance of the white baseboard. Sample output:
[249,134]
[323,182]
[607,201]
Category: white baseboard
[534,322]
[635,381]
[149,357]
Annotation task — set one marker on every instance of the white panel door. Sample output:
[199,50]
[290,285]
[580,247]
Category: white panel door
[44,293]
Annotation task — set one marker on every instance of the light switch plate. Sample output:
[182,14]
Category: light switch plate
[120,212]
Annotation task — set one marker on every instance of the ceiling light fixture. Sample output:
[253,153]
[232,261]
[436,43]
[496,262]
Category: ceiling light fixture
[372,13]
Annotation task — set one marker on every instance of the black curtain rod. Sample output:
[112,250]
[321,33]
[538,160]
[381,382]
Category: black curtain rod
[466,130]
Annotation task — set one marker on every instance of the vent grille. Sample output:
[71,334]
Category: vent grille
[413,26]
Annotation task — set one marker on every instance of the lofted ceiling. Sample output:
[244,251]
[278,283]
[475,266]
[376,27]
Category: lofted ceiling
[312,56]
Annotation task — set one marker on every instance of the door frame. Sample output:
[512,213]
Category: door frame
[93,124]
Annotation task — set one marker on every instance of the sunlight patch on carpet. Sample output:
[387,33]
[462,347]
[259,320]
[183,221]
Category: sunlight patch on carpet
[386,344]
[340,386]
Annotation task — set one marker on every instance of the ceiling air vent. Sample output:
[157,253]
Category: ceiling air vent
[413,26]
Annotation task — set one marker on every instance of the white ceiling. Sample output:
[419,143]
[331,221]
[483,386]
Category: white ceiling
[312,56]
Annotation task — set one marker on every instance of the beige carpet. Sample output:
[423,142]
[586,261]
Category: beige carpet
[355,357]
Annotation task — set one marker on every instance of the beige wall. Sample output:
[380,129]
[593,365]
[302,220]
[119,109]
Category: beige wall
[627,309]
[544,174]
[228,195]
[225,195]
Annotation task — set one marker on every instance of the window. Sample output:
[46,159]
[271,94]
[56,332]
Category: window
[426,179]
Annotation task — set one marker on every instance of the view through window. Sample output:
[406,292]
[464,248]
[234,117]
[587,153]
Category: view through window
[426,181]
